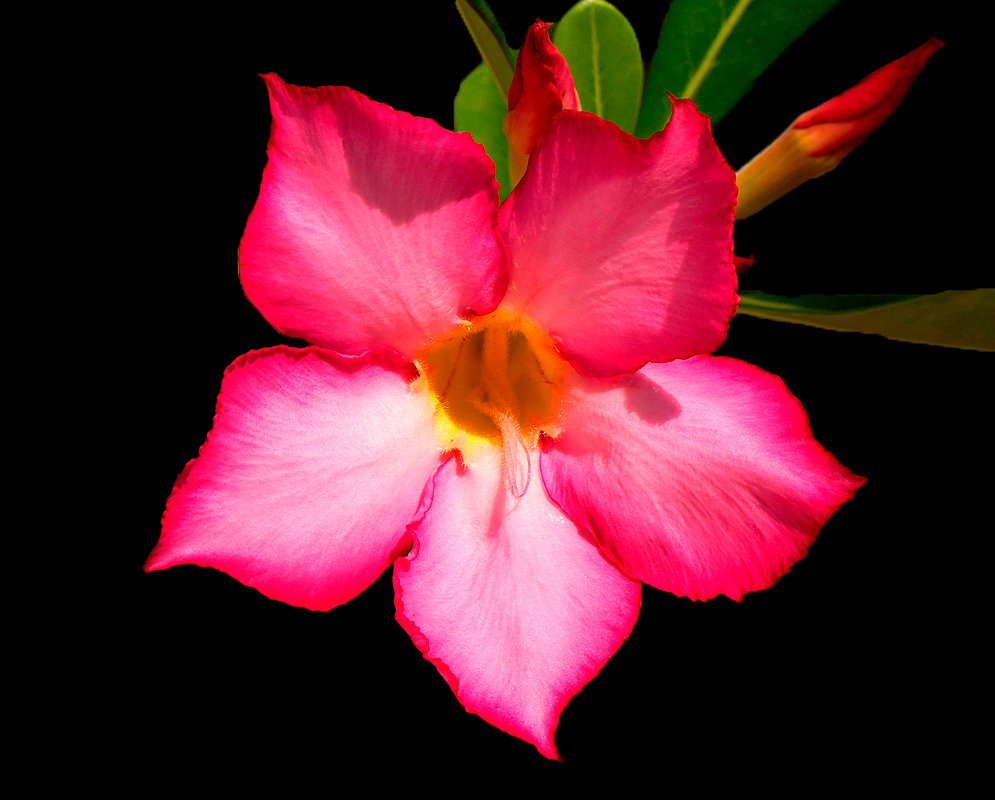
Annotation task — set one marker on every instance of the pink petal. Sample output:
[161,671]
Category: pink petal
[621,248]
[372,227]
[314,466]
[699,477]
[516,609]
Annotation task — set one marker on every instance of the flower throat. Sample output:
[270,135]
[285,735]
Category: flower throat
[496,380]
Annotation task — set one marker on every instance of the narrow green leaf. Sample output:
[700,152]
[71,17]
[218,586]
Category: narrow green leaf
[602,51]
[964,319]
[490,41]
[480,109]
[712,50]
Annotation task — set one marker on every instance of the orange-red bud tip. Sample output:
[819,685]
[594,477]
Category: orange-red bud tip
[847,119]
[741,263]
[820,139]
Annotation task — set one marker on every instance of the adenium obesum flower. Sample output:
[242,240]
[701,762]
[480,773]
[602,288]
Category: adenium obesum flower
[512,405]
[820,139]
[542,87]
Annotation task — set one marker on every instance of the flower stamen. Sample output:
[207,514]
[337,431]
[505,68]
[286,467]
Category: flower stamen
[496,380]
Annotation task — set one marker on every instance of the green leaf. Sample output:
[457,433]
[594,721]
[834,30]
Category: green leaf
[480,109]
[712,50]
[964,319]
[490,41]
[602,51]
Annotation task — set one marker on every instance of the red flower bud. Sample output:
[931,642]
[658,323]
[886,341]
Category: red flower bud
[540,89]
[820,139]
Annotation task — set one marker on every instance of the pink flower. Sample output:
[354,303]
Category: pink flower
[541,87]
[820,139]
[509,404]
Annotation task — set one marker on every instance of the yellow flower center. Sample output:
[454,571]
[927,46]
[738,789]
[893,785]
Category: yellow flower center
[495,380]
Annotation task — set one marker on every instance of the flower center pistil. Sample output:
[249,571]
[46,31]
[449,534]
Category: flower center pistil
[496,380]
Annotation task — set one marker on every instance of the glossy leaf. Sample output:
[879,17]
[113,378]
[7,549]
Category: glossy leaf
[479,109]
[490,41]
[964,319]
[602,51]
[711,51]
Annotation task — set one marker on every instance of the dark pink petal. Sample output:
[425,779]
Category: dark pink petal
[621,248]
[372,227]
[314,466]
[699,477]
[512,604]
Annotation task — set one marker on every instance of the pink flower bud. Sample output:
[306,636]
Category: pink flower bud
[820,139]
[540,89]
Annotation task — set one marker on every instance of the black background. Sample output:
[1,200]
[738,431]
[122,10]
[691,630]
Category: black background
[856,659]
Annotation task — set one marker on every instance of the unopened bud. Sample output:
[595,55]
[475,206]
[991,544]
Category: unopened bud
[540,89]
[820,139]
